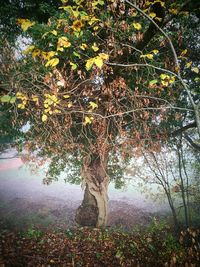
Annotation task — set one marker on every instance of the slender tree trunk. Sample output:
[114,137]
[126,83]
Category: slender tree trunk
[182,186]
[94,208]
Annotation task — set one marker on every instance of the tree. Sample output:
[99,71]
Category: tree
[100,79]
[174,169]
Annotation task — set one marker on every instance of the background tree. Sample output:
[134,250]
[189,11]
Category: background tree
[100,79]
[174,169]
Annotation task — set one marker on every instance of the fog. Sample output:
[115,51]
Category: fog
[22,193]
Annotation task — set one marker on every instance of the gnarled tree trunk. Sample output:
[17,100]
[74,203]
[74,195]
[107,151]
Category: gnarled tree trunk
[94,208]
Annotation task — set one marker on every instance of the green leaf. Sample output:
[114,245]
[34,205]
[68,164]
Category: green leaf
[76,54]
[73,65]
[13,99]
[6,98]
[152,82]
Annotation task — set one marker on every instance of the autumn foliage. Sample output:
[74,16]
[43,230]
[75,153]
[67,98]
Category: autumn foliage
[79,94]
[155,246]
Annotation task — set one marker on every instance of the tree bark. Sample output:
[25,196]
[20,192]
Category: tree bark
[94,209]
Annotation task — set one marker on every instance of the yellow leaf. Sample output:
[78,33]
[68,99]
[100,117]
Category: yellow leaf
[155,51]
[25,24]
[97,2]
[48,102]
[21,106]
[19,95]
[95,47]
[93,105]
[48,109]
[63,42]
[134,13]
[48,55]
[35,98]
[28,49]
[93,20]
[60,48]
[195,69]
[162,3]
[52,62]
[69,105]
[149,56]
[77,25]
[137,26]
[89,63]
[54,32]
[165,83]
[75,13]
[88,120]
[189,64]
[95,28]
[172,79]
[66,96]
[158,19]
[98,61]
[78,2]
[44,117]
[152,15]
[173,11]
[57,111]
[164,76]
[184,52]
[104,56]
[46,105]
[83,46]
[35,53]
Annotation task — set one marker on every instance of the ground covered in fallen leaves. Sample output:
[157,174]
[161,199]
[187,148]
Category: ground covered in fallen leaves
[154,246]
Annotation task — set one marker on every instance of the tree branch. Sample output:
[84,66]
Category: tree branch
[159,29]
[152,30]
[184,128]
[191,142]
